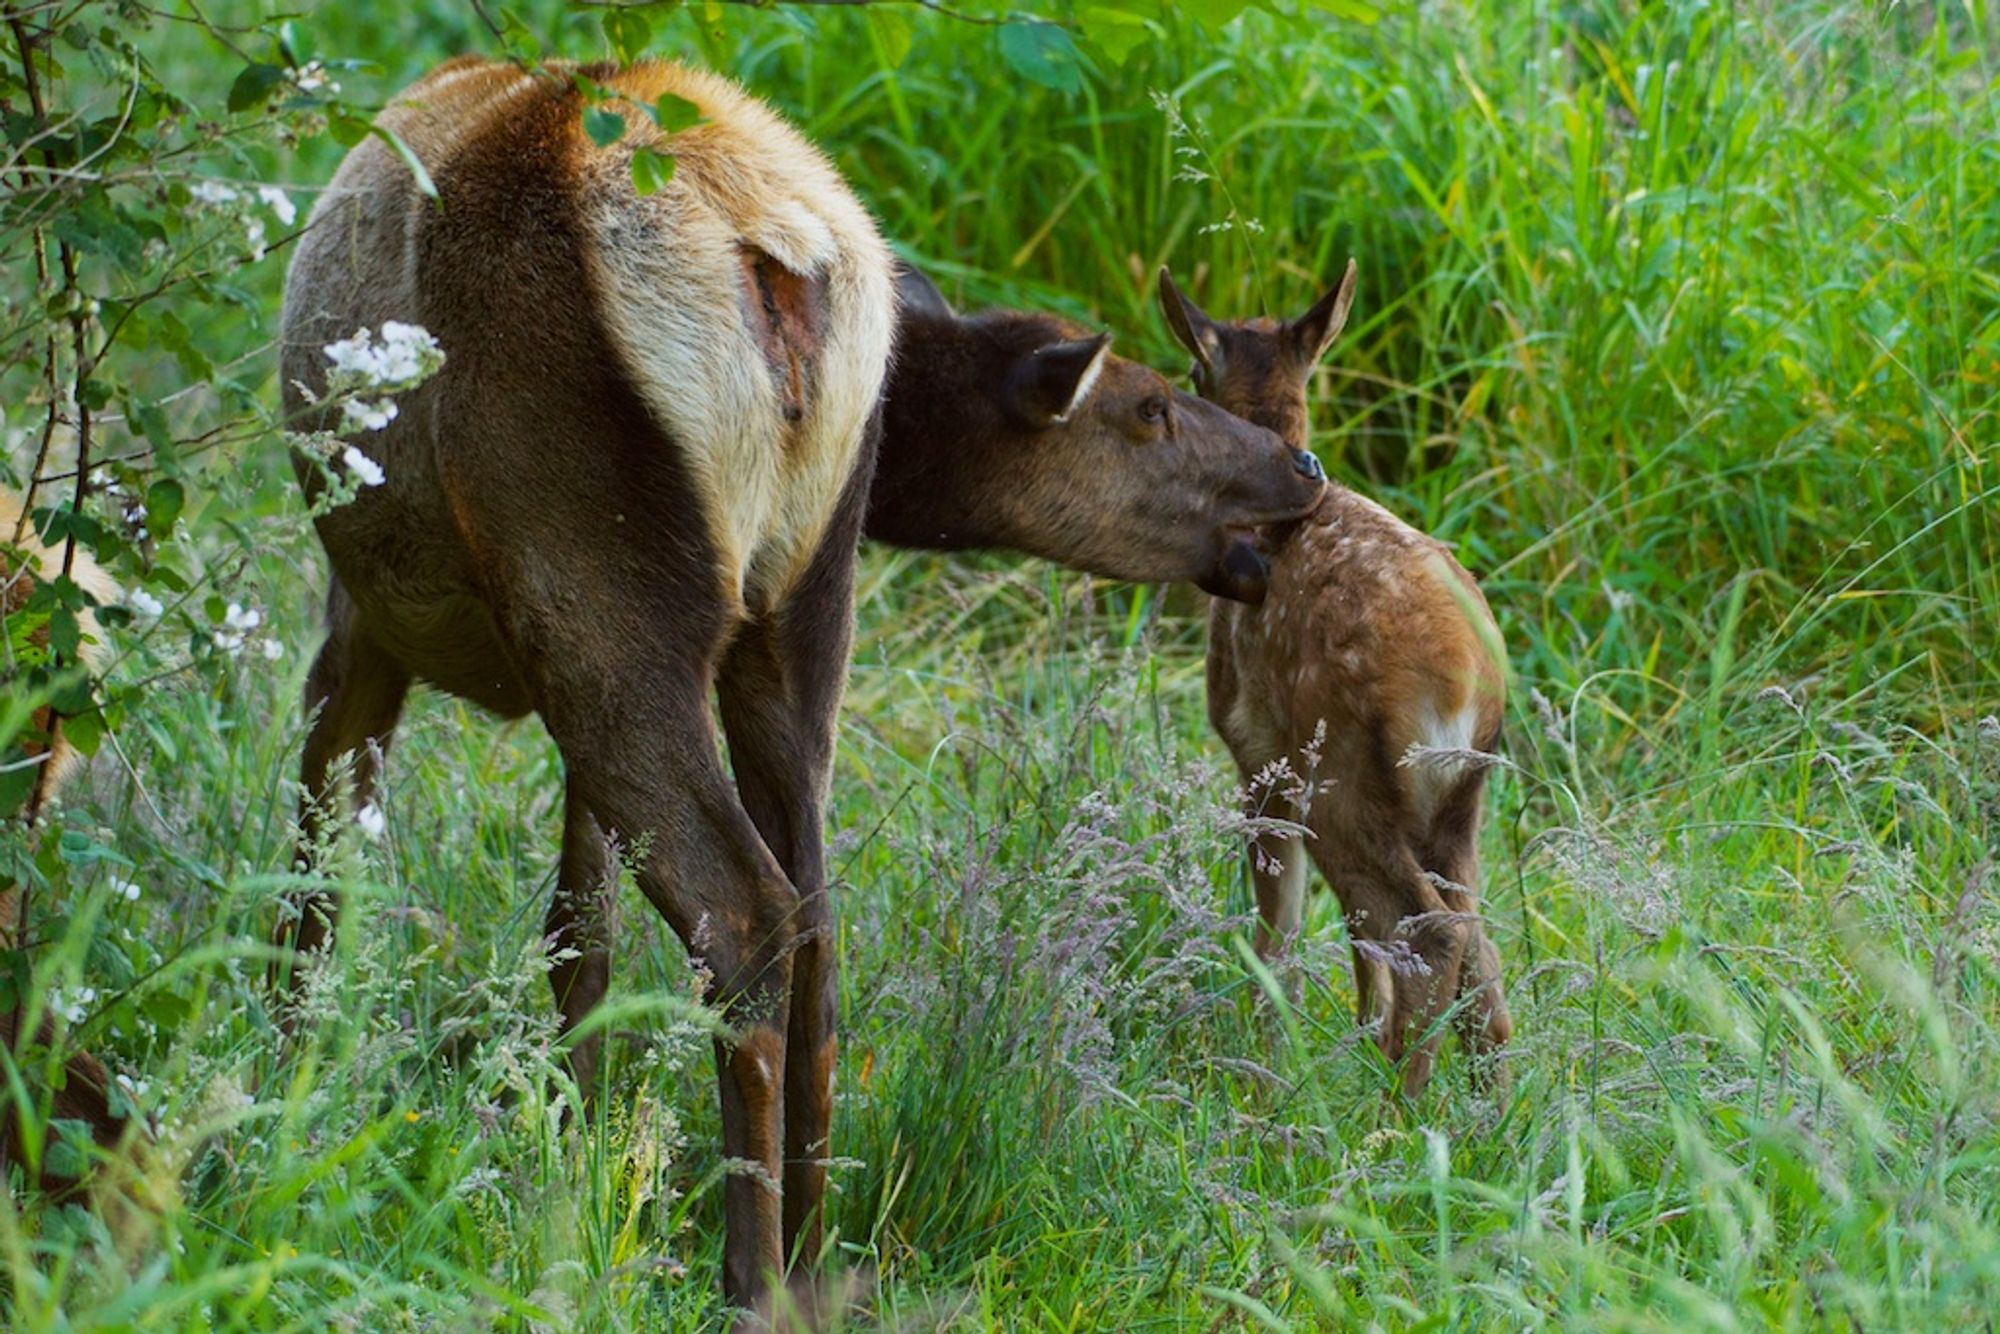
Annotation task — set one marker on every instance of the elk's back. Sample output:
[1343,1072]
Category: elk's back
[1370,628]
[686,375]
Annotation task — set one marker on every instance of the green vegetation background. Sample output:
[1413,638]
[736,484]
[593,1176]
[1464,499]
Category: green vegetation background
[1679,318]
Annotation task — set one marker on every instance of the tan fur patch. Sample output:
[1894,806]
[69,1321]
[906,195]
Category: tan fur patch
[769,400]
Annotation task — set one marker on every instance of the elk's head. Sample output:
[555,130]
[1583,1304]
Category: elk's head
[1259,369]
[1020,430]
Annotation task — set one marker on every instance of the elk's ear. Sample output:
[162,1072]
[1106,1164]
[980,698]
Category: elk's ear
[1312,333]
[1053,381]
[1196,332]
[917,293]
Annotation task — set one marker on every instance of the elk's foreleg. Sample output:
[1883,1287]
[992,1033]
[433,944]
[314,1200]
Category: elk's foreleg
[354,694]
[780,689]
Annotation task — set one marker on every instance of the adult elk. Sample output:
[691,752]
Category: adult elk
[25,563]
[1020,431]
[641,476]
[1375,651]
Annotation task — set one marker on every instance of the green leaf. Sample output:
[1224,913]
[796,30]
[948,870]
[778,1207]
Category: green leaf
[1355,11]
[253,85]
[628,32]
[152,423]
[165,499]
[346,128]
[84,730]
[605,128]
[67,1152]
[1214,13]
[65,633]
[1042,53]
[651,169]
[179,339]
[674,114]
[1117,31]
[425,184]
[892,34]
[166,1009]
[16,784]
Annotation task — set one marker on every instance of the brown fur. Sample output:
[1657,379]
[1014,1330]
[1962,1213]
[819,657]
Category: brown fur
[638,479]
[85,1093]
[1372,631]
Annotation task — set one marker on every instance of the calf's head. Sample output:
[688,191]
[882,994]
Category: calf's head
[1023,431]
[1259,369]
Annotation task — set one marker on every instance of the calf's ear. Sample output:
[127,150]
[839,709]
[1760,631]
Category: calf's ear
[1312,333]
[1052,382]
[1194,330]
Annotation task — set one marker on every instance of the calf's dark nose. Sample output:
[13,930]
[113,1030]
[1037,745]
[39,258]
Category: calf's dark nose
[1308,465]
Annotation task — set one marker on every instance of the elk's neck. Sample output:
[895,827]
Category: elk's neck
[937,471]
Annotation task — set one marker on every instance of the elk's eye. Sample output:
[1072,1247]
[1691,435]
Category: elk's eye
[1153,409]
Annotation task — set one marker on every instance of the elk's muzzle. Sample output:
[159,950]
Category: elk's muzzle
[1308,465]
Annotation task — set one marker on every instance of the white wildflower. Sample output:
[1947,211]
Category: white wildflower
[127,890]
[72,1005]
[406,353]
[353,355]
[271,649]
[373,823]
[368,416]
[279,203]
[237,623]
[366,470]
[253,237]
[311,78]
[214,193]
[144,605]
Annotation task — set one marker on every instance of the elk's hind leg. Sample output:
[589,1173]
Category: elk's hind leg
[642,760]
[1403,933]
[779,690]
[1484,1024]
[354,695]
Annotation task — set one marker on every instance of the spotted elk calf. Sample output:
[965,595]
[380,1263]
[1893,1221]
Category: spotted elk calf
[1374,651]
[641,477]
[24,563]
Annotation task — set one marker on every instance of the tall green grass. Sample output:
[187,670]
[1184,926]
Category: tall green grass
[1679,318]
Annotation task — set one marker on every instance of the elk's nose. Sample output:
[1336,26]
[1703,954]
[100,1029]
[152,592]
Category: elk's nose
[1308,466]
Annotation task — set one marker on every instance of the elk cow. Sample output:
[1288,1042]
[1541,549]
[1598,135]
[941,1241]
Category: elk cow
[85,1092]
[641,476]
[1015,430]
[1375,651]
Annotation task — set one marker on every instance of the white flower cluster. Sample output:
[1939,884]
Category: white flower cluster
[72,1005]
[364,370]
[311,77]
[223,197]
[239,626]
[405,355]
